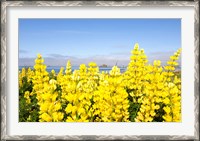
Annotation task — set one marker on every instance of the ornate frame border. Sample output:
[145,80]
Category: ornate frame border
[5,4]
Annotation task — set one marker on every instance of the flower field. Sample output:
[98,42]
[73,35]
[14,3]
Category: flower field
[143,93]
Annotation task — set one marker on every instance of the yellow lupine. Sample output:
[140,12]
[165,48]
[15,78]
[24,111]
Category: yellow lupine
[27,96]
[45,117]
[87,95]
[110,99]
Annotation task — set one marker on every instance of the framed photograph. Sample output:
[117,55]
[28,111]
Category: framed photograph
[100,70]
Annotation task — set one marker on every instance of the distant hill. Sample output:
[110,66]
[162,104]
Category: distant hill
[103,66]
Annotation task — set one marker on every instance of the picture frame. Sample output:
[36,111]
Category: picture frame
[5,50]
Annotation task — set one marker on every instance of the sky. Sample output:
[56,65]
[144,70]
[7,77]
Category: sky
[104,41]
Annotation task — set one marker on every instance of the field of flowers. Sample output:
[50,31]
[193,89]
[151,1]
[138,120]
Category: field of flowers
[143,93]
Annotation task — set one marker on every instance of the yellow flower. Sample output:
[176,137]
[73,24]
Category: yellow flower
[39,56]
[68,108]
[166,100]
[167,109]
[57,106]
[57,116]
[46,117]
[88,95]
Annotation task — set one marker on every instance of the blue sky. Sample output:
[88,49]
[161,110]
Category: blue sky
[104,41]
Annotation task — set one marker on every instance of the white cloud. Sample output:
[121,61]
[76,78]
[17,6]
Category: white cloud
[121,59]
[162,56]
[26,61]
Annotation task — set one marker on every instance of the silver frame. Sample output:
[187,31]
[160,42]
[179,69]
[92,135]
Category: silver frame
[5,4]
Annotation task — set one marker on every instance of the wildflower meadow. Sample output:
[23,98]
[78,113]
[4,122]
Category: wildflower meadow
[143,93]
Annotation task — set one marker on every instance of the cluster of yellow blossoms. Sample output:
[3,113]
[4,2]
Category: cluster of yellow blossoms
[143,93]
